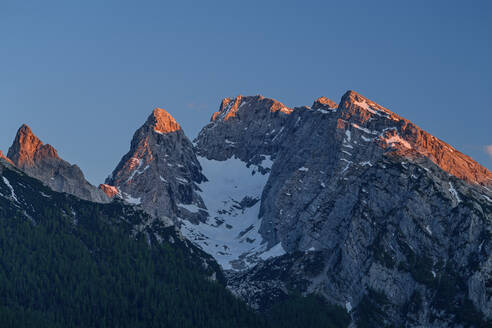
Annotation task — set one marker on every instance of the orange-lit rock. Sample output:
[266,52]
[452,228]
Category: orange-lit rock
[110,191]
[324,101]
[356,109]
[27,149]
[163,122]
[159,171]
[41,161]
[230,107]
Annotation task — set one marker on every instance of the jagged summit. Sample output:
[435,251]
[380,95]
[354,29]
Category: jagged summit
[162,122]
[256,123]
[27,148]
[399,135]
[229,107]
[159,170]
[323,102]
[354,104]
[41,161]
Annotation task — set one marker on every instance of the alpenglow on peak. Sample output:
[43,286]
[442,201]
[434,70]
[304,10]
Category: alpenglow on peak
[162,121]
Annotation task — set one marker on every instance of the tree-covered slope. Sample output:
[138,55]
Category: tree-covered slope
[65,262]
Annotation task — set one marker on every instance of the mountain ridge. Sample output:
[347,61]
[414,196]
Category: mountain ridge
[42,162]
[349,201]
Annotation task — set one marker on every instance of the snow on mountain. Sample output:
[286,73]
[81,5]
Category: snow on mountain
[232,196]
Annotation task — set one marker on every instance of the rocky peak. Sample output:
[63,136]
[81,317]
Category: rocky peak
[27,149]
[229,107]
[41,161]
[255,120]
[361,116]
[162,122]
[355,106]
[160,170]
[323,102]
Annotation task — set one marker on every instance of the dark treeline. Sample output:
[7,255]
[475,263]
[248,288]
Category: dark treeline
[57,272]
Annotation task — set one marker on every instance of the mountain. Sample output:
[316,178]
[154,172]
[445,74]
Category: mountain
[42,162]
[372,211]
[160,171]
[214,202]
[348,201]
[344,204]
[67,262]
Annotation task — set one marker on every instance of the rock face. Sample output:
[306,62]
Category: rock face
[243,127]
[42,162]
[160,171]
[395,218]
[348,201]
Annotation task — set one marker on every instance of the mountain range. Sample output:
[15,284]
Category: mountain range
[349,202]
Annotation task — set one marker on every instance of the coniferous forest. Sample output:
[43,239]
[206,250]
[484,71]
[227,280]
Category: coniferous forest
[65,262]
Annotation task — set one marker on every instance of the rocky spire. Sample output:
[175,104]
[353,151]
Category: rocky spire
[28,149]
[41,161]
[159,171]
[162,122]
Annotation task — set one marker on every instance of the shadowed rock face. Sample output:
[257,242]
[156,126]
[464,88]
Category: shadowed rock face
[41,161]
[160,170]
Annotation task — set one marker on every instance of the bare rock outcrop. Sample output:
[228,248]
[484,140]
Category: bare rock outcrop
[41,161]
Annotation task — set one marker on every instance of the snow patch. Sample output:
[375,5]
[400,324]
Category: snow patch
[348,134]
[44,195]
[279,133]
[365,105]
[136,162]
[231,231]
[391,141]
[132,200]
[182,180]
[364,129]
[275,251]
[191,207]
[480,246]
[12,192]
[454,192]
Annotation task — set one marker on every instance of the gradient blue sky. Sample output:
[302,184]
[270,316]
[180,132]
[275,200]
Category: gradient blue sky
[86,74]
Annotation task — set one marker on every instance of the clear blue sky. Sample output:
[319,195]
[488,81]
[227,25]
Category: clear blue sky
[85,74]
